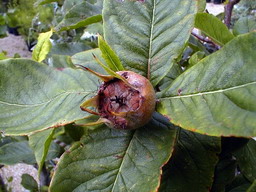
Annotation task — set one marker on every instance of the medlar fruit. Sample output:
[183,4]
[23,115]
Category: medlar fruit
[123,103]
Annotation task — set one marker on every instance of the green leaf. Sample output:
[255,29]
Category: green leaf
[252,188]
[2,20]
[80,15]
[196,57]
[3,31]
[16,152]
[244,25]
[3,56]
[43,46]
[109,55]
[224,173]
[35,97]
[40,143]
[76,132]
[114,160]
[247,160]
[69,4]
[241,188]
[86,59]
[42,2]
[148,35]
[201,5]
[217,95]
[59,56]
[192,164]
[68,48]
[55,150]
[240,183]
[170,77]
[60,61]
[95,28]
[28,182]
[212,27]
[110,71]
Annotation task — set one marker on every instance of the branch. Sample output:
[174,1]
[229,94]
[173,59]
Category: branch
[228,11]
[205,39]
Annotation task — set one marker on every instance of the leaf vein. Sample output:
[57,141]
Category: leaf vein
[43,103]
[209,92]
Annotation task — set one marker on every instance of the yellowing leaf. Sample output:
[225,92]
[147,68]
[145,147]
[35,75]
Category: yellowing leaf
[43,46]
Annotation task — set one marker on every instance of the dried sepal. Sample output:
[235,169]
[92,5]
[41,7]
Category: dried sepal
[111,72]
[93,102]
[104,78]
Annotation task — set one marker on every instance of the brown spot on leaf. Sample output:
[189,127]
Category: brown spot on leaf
[60,69]
[169,118]
[119,156]
[179,92]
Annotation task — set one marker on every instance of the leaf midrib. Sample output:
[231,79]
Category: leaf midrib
[43,103]
[151,39]
[209,92]
[123,160]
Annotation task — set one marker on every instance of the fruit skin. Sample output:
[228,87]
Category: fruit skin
[126,107]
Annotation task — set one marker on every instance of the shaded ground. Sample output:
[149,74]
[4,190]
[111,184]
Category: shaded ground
[14,44]
[11,176]
[215,9]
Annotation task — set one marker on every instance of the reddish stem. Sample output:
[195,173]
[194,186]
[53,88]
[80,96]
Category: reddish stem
[228,11]
[201,38]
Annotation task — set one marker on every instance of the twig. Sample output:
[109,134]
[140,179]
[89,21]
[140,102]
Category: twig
[228,11]
[206,40]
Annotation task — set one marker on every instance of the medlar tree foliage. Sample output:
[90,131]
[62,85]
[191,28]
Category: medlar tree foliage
[200,137]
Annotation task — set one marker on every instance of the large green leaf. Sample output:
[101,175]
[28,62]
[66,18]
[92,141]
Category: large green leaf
[217,95]
[35,97]
[148,35]
[114,160]
[246,158]
[16,152]
[80,15]
[192,164]
[212,27]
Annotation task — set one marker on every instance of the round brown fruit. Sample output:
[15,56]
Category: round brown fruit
[126,106]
